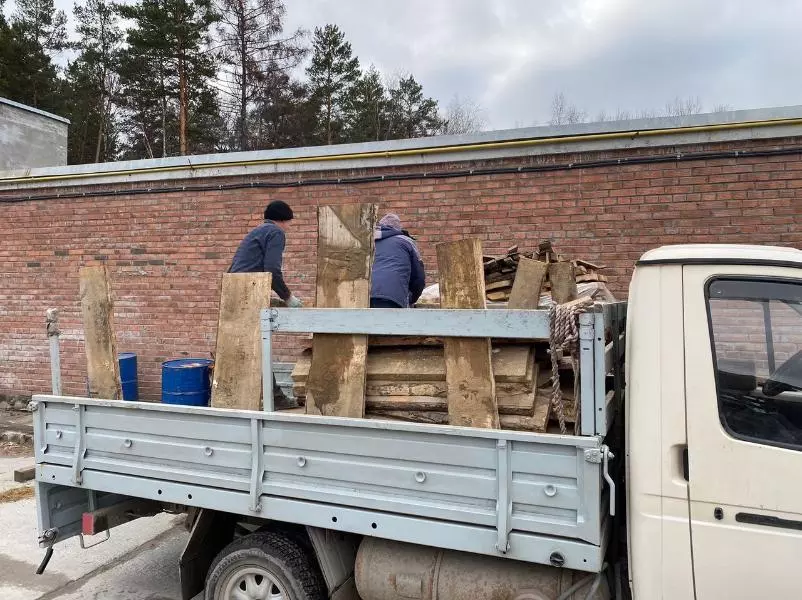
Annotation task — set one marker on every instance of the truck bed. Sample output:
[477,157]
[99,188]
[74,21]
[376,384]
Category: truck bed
[532,497]
[460,488]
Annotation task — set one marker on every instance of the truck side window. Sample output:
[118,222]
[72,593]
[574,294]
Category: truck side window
[756,332]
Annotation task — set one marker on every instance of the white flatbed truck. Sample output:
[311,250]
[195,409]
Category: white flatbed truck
[690,488]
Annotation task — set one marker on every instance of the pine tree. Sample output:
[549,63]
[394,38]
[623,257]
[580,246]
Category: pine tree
[168,39]
[411,114]
[256,54]
[366,108]
[92,80]
[27,74]
[40,21]
[282,117]
[332,74]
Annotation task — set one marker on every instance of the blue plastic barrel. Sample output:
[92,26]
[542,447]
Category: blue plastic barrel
[128,375]
[186,381]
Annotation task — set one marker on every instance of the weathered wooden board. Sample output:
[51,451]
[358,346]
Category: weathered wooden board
[237,378]
[97,309]
[469,372]
[563,282]
[512,422]
[522,404]
[511,364]
[542,409]
[336,381]
[422,388]
[403,340]
[529,279]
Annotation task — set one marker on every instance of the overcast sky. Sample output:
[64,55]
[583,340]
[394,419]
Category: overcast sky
[512,56]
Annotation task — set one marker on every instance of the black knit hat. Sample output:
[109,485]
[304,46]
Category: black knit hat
[278,210]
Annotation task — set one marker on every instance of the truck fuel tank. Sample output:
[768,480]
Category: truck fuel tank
[388,570]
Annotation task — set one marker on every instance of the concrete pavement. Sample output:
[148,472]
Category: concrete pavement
[140,561]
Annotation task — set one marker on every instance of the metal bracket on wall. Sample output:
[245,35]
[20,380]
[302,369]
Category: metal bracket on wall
[503,500]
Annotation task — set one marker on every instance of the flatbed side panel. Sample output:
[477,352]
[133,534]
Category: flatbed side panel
[523,546]
[445,473]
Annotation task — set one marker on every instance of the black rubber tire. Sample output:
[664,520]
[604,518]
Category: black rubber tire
[282,557]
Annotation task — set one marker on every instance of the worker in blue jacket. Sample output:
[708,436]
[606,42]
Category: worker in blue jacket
[398,275]
[262,251]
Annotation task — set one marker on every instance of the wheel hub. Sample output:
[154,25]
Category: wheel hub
[251,582]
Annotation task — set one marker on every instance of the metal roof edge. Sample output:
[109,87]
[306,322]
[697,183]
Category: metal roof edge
[348,156]
[33,110]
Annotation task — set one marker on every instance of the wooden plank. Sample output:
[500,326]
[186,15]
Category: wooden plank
[497,296]
[542,410]
[237,376]
[521,403]
[336,383]
[97,309]
[500,285]
[433,389]
[563,283]
[469,372]
[405,403]
[529,279]
[512,422]
[511,364]
[402,340]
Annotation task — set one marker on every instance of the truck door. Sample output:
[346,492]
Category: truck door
[743,365]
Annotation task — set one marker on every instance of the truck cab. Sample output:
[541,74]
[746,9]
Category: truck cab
[714,422]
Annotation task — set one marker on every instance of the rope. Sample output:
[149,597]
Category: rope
[564,339]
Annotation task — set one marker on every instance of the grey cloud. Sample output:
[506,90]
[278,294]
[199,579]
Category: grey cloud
[512,56]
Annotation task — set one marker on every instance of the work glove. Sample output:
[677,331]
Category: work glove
[294,302]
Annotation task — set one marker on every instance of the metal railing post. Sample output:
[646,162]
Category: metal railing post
[55,357]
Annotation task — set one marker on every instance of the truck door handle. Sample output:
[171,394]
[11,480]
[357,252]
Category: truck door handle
[768,521]
[686,471]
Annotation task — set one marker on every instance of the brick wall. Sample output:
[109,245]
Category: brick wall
[166,252]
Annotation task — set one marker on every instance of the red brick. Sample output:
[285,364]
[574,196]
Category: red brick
[609,215]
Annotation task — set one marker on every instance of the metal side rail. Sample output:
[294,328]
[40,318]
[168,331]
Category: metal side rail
[526,496]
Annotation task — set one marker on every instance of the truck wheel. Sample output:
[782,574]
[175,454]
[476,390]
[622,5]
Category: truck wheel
[264,566]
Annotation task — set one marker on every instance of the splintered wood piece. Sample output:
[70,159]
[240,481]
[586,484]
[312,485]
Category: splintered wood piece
[237,376]
[525,292]
[97,309]
[499,285]
[563,283]
[336,383]
[468,366]
[498,296]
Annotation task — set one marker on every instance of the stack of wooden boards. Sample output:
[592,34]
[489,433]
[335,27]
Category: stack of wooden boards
[406,380]
[459,381]
[500,272]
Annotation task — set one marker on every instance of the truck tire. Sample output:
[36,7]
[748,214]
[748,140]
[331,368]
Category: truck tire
[264,566]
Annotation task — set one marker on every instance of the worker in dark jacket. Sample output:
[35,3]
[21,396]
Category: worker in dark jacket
[398,275]
[262,250]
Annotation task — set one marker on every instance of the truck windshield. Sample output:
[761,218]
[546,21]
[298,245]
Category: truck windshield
[756,332]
